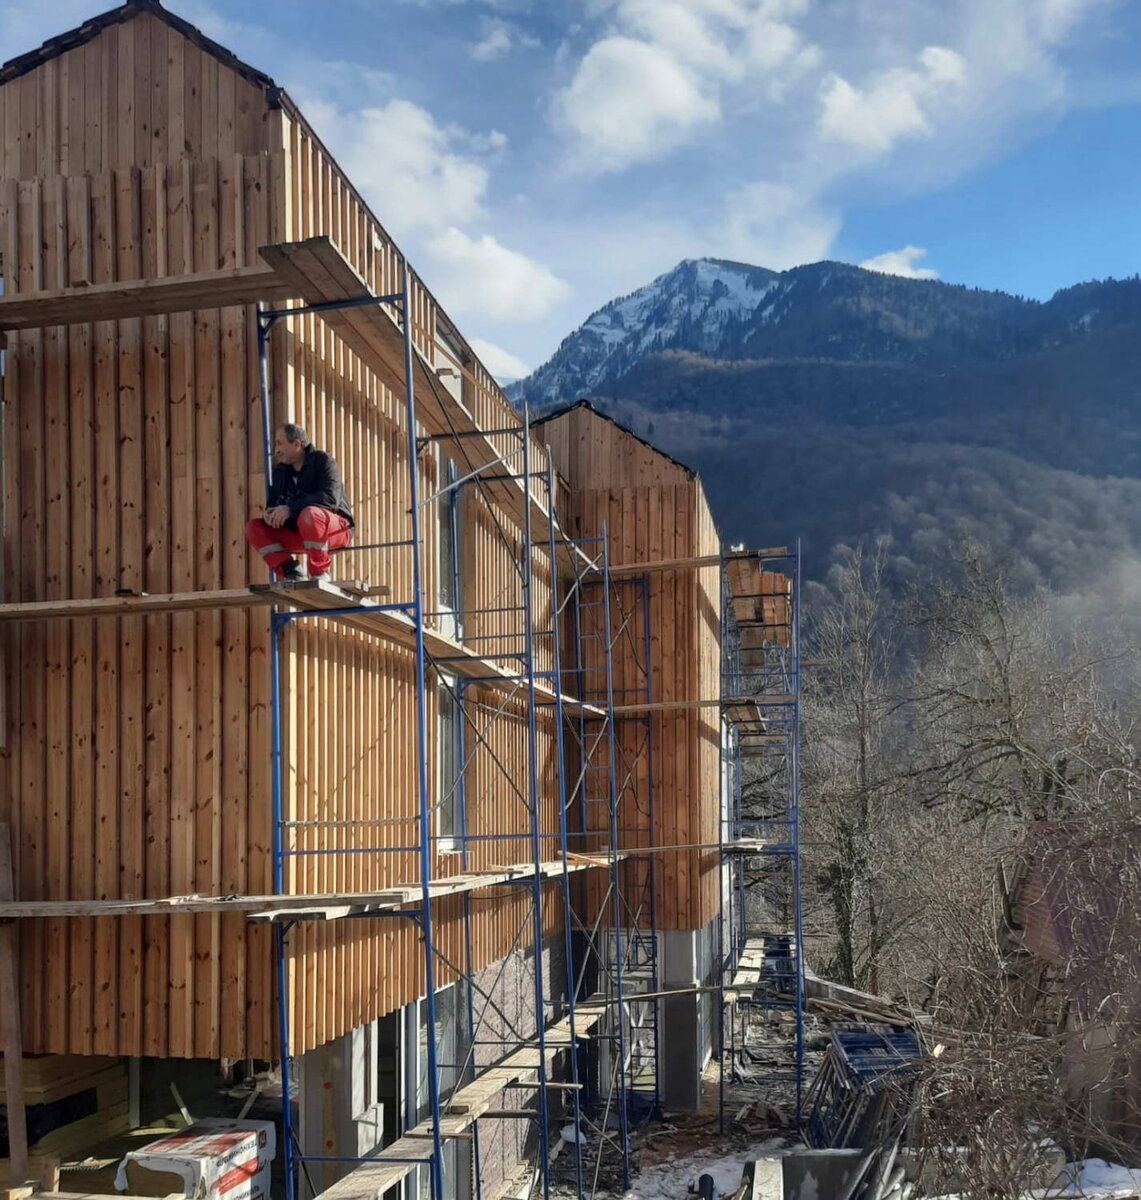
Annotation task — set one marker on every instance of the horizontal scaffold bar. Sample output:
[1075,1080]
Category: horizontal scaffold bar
[321,907]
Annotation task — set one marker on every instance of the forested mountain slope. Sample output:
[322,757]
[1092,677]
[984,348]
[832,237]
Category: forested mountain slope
[839,404]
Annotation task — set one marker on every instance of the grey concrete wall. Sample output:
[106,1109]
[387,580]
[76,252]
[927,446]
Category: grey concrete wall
[335,1119]
[687,1030]
[503,1144]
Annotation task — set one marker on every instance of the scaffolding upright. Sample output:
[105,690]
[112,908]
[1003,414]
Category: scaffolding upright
[762,951]
[547,658]
[615,941]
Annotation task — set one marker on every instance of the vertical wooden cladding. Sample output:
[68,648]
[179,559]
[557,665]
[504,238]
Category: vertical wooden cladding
[654,508]
[353,779]
[133,455]
[138,94]
[138,754]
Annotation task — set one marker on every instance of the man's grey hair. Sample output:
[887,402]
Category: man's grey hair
[294,433]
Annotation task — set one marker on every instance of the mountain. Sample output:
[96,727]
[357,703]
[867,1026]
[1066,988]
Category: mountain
[839,403]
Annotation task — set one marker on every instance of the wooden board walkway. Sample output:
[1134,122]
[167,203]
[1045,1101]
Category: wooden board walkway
[308,595]
[318,907]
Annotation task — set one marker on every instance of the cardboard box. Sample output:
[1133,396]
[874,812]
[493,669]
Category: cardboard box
[214,1159]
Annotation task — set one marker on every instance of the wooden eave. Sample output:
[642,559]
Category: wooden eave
[141,297]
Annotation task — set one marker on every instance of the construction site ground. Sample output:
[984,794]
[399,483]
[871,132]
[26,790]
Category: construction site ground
[669,1154]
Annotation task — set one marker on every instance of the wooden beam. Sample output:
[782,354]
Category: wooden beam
[313,906]
[142,297]
[686,564]
[111,606]
[625,710]
[10,1036]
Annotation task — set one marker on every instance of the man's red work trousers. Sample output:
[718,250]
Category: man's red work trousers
[318,531]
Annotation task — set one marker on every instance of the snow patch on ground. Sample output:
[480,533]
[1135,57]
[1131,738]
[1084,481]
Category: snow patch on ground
[1096,1177]
[668,1180]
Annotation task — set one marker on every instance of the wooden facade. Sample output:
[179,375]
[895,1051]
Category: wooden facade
[136,750]
[654,509]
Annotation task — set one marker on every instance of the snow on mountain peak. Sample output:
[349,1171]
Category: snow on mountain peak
[695,304]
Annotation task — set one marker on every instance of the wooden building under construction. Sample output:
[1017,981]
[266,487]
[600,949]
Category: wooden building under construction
[209,786]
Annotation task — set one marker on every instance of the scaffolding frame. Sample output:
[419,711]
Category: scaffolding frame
[607,1021]
[761,963]
[594,708]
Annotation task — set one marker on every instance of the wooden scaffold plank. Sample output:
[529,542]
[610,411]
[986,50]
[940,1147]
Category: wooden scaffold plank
[142,297]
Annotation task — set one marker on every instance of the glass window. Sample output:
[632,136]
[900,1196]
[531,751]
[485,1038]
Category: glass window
[452,1045]
[449,803]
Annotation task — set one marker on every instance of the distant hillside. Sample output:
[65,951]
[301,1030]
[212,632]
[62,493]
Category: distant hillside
[840,403]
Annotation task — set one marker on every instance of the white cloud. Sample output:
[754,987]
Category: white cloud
[629,101]
[500,37]
[901,262]
[501,363]
[429,186]
[494,44]
[414,171]
[892,105]
[775,225]
[655,78]
[481,275]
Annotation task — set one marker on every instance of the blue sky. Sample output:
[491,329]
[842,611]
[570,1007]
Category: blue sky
[539,157]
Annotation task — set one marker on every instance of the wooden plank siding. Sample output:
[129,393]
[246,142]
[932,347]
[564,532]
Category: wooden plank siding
[653,509]
[136,757]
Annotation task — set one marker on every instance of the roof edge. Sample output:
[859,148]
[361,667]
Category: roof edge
[590,407]
[91,28]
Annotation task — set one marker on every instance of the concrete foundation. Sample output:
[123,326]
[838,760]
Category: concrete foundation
[365,1088]
[687,1029]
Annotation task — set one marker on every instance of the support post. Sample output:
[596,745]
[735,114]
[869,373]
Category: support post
[13,1045]
[436,1167]
[616,868]
[564,842]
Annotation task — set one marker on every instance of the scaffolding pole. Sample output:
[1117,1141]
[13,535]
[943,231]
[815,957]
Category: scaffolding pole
[774,974]
[525,681]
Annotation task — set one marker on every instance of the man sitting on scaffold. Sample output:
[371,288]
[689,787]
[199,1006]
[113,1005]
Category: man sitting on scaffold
[308,512]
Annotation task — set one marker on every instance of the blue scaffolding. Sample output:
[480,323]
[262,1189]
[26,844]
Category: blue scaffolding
[762,949]
[606,1065]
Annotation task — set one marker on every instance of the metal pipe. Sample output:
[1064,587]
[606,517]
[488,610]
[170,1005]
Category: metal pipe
[280,932]
[527,580]
[795,825]
[623,1105]
[436,1162]
[560,759]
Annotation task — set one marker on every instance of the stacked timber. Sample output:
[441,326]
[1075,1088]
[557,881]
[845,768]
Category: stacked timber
[72,1102]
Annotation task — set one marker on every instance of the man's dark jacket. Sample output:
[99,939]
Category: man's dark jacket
[318,484]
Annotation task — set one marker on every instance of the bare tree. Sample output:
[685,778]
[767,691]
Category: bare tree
[852,766]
